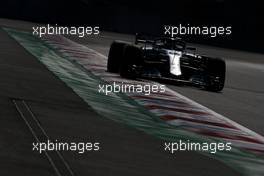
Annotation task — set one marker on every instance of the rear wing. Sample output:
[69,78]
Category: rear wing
[144,39]
[150,39]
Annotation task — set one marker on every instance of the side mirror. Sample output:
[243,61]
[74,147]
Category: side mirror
[136,39]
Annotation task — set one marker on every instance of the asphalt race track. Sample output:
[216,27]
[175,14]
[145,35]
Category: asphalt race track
[125,150]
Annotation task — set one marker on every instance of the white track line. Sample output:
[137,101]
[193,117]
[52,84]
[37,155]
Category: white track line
[15,102]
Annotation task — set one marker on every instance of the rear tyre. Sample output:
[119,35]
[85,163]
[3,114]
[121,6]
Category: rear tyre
[115,56]
[216,71]
[130,62]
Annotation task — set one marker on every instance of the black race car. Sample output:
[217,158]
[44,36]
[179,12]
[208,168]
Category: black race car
[166,59]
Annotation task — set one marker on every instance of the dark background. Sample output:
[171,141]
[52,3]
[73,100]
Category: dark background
[245,17]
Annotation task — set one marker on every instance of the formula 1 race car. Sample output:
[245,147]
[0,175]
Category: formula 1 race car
[166,59]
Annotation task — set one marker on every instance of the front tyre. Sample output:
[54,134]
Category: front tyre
[216,72]
[131,61]
[115,56]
